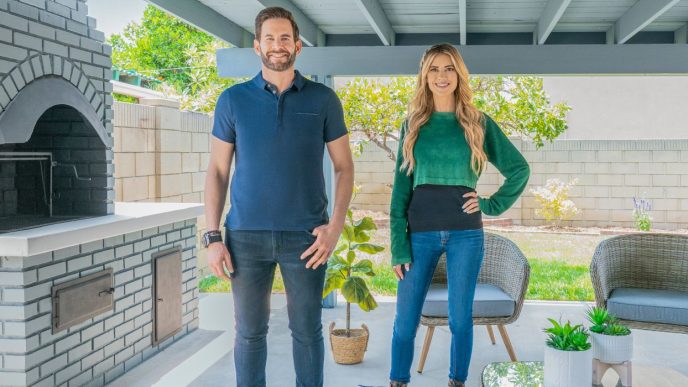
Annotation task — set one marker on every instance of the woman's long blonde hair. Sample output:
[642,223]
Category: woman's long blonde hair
[422,106]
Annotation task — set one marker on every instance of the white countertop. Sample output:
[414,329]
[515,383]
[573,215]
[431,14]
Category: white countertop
[128,217]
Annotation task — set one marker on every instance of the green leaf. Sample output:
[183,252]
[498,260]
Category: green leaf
[365,224]
[368,248]
[361,237]
[336,260]
[338,267]
[362,228]
[365,266]
[341,246]
[348,233]
[617,330]
[350,256]
[567,337]
[368,303]
[355,290]
[333,280]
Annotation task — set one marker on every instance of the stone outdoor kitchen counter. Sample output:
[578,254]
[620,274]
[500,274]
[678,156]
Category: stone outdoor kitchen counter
[128,217]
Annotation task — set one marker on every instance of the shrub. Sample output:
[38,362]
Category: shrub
[555,205]
[641,214]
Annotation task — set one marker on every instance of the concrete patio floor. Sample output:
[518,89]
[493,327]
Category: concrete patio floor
[204,358]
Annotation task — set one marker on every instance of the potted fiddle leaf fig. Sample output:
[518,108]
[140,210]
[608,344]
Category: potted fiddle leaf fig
[612,342]
[568,355]
[345,272]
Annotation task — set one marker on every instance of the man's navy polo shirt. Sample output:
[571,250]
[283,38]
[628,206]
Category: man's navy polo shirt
[279,143]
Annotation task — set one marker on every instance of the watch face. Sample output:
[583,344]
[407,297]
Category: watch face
[209,238]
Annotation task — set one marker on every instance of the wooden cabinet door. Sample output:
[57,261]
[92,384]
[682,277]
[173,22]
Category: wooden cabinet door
[167,294]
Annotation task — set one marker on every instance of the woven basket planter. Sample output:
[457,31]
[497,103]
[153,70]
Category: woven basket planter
[612,349]
[348,350]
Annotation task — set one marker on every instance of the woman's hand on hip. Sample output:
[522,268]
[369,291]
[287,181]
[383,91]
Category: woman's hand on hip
[399,271]
[471,205]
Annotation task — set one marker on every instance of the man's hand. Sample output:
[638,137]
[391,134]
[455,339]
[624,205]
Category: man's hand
[327,236]
[219,259]
[399,272]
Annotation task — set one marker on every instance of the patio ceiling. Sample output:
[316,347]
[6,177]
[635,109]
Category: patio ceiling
[544,36]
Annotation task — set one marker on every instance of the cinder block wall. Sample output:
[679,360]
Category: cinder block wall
[610,173]
[161,153]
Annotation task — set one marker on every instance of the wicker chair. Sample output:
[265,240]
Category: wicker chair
[503,266]
[641,262]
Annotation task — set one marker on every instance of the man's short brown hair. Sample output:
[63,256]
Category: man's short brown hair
[275,13]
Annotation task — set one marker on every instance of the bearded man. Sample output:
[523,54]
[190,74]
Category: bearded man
[276,127]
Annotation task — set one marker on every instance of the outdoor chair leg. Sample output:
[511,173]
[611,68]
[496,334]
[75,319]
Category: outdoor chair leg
[491,333]
[507,342]
[426,348]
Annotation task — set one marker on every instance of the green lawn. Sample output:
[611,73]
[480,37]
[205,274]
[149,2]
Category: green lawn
[557,280]
[575,249]
[212,284]
[559,264]
[558,267]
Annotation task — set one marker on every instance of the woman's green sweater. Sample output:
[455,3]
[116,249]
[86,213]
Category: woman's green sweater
[443,157]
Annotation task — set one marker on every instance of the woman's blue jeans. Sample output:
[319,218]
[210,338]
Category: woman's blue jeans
[464,249]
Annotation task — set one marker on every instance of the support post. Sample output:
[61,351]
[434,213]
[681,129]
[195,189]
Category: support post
[329,301]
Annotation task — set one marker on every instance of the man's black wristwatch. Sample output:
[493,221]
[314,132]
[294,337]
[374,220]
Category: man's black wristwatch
[211,237]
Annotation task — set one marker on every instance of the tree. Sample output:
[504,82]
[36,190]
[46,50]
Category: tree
[178,54]
[375,109]
[520,106]
[204,86]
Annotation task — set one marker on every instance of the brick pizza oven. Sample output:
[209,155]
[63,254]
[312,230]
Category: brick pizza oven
[80,299]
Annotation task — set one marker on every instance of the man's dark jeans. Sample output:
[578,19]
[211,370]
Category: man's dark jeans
[255,254]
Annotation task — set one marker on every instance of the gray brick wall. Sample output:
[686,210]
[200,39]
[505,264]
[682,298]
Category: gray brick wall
[98,350]
[41,38]
[610,173]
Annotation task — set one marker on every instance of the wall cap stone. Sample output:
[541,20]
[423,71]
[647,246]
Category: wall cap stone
[161,102]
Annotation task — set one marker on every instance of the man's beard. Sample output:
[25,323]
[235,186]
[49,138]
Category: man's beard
[282,66]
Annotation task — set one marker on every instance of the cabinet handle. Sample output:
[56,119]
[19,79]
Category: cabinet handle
[107,291]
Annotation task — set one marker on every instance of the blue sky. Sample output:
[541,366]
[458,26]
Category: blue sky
[112,16]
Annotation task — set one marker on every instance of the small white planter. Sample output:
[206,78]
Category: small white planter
[567,368]
[612,349]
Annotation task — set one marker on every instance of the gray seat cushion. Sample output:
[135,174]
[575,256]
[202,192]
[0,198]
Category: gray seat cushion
[649,305]
[489,301]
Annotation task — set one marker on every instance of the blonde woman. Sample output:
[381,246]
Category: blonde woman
[445,144]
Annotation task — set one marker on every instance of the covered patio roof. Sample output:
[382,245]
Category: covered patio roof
[386,37]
